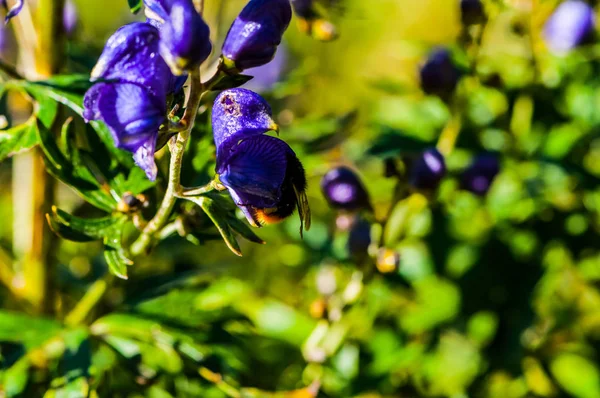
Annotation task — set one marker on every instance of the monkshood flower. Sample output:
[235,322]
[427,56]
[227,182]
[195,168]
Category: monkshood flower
[478,177]
[184,36]
[344,190]
[262,173]
[131,95]
[14,10]
[471,12]
[570,24]
[439,75]
[428,170]
[255,34]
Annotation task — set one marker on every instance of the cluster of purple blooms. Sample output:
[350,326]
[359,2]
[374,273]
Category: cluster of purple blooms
[144,63]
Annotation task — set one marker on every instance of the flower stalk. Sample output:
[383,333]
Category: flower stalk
[177,147]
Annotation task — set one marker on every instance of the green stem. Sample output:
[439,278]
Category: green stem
[86,304]
[177,146]
[196,191]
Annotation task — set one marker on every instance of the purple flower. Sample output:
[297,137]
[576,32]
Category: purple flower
[70,17]
[14,10]
[572,22]
[478,177]
[255,34]
[267,75]
[262,173]
[471,12]
[184,36]
[428,170]
[439,75]
[131,96]
[344,190]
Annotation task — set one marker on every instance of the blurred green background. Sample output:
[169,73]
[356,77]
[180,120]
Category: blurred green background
[494,296]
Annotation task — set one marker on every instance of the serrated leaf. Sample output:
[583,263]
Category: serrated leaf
[220,220]
[79,229]
[135,5]
[231,81]
[114,253]
[78,178]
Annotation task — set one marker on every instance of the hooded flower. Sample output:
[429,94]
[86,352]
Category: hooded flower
[344,190]
[262,173]
[439,75]
[132,94]
[428,170]
[255,34]
[572,22]
[184,36]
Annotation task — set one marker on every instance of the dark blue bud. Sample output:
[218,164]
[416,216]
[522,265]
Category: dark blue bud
[472,12]
[359,239]
[428,170]
[255,34]
[184,37]
[439,75]
[570,24]
[478,177]
[344,190]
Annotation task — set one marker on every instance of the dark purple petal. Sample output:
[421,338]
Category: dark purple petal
[569,26]
[90,103]
[255,34]
[344,190]
[255,169]
[359,238]
[478,177]
[439,75]
[184,37]
[157,11]
[14,10]
[238,114]
[131,55]
[428,170]
[144,157]
[130,112]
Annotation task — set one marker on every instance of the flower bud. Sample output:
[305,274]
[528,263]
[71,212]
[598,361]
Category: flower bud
[255,34]
[344,191]
[428,170]
[184,37]
[471,12]
[439,75]
[478,177]
[572,22]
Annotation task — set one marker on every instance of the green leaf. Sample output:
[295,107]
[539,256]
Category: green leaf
[114,253]
[135,5]
[17,139]
[26,330]
[79,229]
[231,81]
[74,366]
[577,375]
[16,377]
[79,178]
[220,220]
